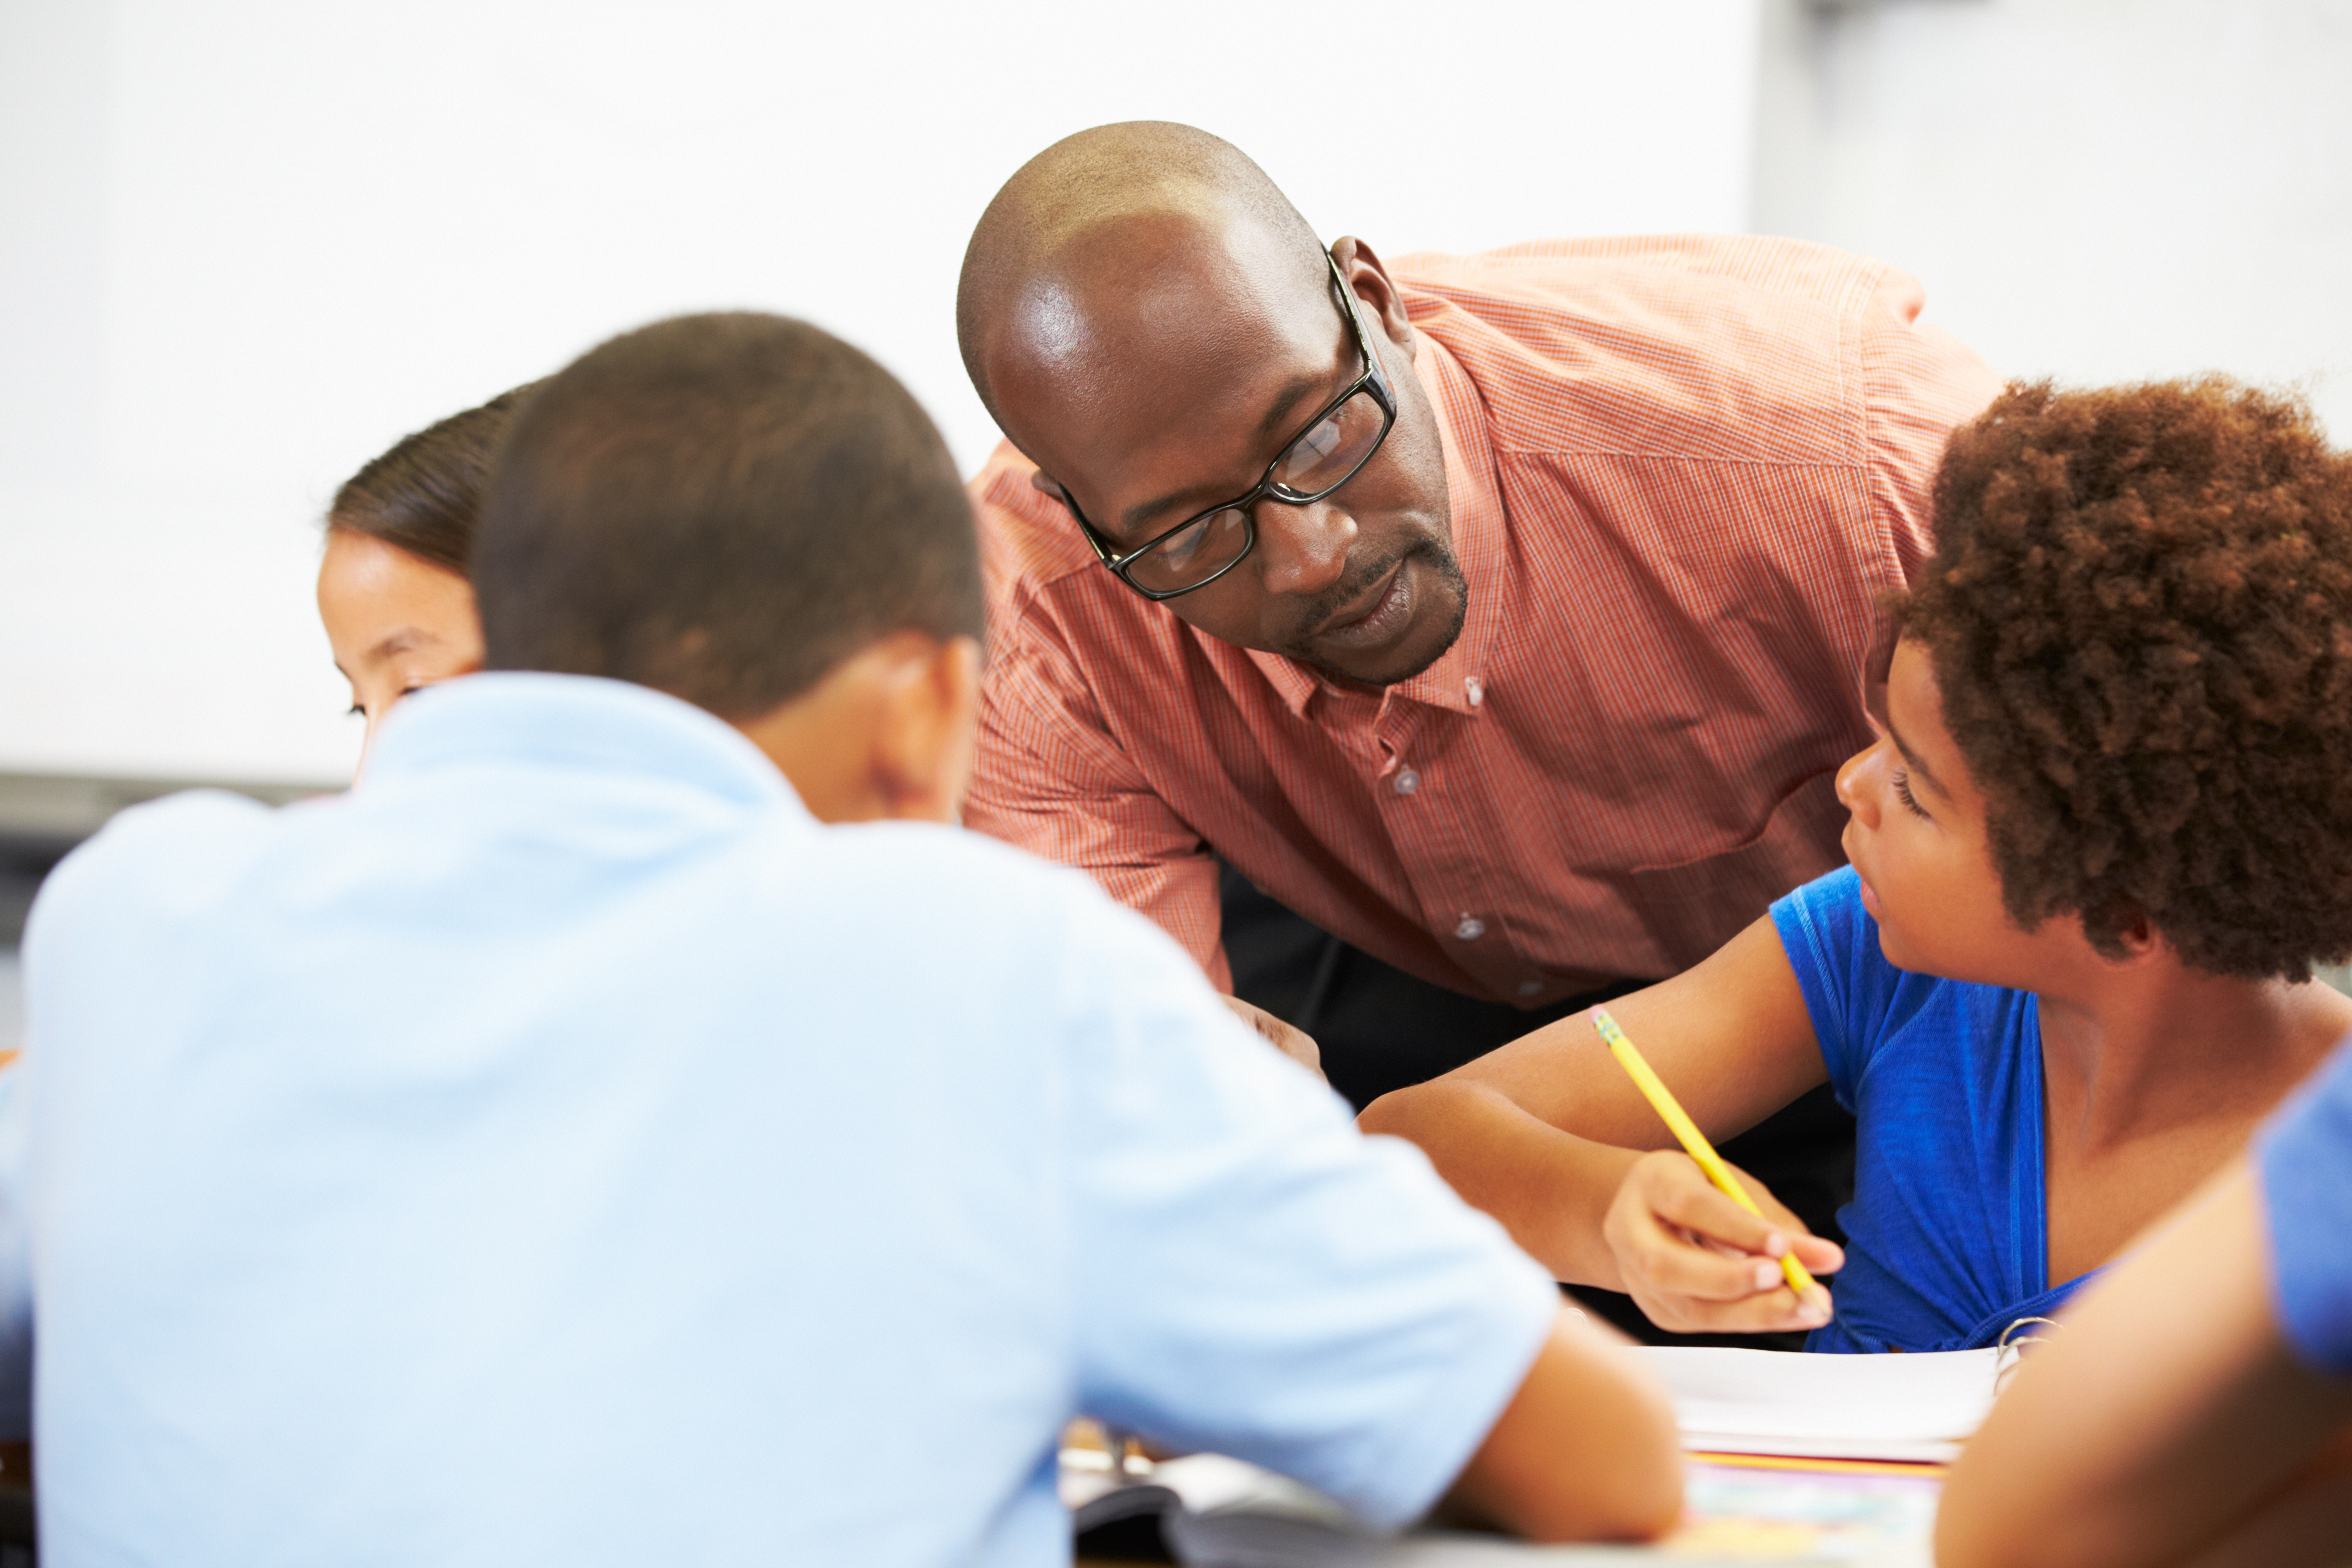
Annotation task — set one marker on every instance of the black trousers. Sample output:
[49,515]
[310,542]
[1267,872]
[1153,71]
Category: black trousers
[1381,1028]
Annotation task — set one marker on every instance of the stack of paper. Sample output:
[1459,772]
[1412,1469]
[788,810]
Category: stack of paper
[1909,1407]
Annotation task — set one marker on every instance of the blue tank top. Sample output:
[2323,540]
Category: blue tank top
[1944,1239]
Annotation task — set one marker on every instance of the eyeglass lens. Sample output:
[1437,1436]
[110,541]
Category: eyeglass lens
[1194,554]
[1333,449]
[1323,459]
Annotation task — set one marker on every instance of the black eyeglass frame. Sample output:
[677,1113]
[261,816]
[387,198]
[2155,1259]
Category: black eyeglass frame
[1374,376]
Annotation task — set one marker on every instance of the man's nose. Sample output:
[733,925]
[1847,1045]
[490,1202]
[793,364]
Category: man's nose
[1304,548]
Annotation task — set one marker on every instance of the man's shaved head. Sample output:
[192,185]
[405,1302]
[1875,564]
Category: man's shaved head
[1056,226]
[1151,321]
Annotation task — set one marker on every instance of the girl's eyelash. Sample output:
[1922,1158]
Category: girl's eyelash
[355,711]
[1903,792]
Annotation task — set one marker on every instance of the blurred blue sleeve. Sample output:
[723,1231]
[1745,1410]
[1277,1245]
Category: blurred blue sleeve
[2305,1154]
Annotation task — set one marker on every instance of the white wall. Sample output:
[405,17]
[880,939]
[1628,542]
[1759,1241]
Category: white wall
[250,244]
[2098,190]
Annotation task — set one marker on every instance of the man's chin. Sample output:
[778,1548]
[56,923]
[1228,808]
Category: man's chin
[1440,607]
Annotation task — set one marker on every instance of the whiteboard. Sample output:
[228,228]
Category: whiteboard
[251,244]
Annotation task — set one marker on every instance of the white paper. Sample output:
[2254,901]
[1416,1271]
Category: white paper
[1918,1408]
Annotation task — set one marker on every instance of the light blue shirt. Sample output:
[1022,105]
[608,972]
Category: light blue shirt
[565,1150]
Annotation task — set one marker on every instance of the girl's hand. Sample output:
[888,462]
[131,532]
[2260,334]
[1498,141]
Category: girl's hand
[1697,1262]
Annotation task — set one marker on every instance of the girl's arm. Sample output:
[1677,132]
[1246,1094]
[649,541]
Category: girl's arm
[2169,1423]
[1549,1135]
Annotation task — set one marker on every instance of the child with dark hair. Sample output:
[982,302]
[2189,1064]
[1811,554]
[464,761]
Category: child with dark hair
[393,593]
[574,1147]
[2103,835]
[2199,1406]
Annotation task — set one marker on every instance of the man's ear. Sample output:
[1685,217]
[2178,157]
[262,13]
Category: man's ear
[1369,277]
[927,725]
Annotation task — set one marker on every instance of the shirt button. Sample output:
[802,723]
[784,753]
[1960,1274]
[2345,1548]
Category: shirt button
[1530,987]
[1475,689]
[1471,928]
[1406,781]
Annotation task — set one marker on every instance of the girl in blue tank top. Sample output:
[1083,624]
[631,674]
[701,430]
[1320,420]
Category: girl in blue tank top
[1945,1246]
[2103,835]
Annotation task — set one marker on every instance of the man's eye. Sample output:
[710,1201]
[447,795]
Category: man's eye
[1319,443]
[1183,546]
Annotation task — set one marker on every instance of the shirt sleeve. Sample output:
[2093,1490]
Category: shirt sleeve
[1260,1278]
[2304,1157]
[1833,946]
[1919,383]
[1049,777]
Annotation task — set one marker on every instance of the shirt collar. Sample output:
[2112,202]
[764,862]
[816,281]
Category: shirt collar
[1474,499]
[575,723]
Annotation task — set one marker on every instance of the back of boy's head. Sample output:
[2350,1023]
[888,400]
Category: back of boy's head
[2140,614]
[722,508]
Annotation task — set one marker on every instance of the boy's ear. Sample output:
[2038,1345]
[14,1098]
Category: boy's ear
[888,732]
[927,725]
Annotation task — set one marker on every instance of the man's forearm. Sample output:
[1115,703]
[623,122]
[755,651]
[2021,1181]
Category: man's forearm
[1551,1190]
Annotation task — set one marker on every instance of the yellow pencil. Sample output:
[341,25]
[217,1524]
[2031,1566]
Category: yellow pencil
[1693,1141]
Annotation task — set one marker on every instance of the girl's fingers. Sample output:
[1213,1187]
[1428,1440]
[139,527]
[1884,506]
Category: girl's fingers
[1666,1264]
[1776,1311]
[1677,1191]
[1819,1254]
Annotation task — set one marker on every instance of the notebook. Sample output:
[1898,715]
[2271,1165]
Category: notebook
[1917,1408]
[1212,1510]
[1218,1513]
[1803,1416]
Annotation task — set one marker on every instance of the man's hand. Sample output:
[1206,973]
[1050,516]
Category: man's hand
[1697,1262]
[1295,1044]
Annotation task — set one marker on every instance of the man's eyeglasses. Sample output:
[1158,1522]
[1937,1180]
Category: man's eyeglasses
[1325,455]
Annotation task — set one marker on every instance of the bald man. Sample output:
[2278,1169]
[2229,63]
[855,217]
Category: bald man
[1504,617]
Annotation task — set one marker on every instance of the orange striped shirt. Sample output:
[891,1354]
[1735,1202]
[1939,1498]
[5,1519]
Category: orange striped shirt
[1682,471]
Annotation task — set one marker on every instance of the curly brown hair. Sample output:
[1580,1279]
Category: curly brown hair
[2140,614]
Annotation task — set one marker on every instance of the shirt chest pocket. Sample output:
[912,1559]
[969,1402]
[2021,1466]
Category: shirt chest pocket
[1691,908]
